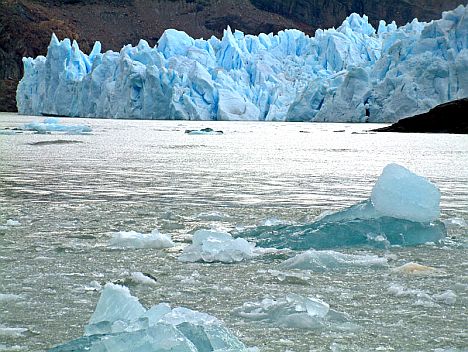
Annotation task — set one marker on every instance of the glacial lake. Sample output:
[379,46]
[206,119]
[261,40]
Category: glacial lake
[69,197]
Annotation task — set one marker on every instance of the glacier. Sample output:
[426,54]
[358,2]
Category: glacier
[353,73]
[120,323]
[403,210]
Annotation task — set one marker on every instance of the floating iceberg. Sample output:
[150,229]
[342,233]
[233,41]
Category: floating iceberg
[415,269]
[204,131]
[11,222]
[53,124]
[402,210]
[216,246]
[121,323]
[423,298]
[320,261]
[353,73]
[133,239]
[292,311]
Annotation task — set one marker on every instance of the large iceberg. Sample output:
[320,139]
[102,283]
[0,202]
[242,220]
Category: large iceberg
[353,73]
[121,324]
[402,210]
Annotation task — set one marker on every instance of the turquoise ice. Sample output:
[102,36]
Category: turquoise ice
[121,324]
[402,210]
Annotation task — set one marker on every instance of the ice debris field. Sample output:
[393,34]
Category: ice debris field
[350,74]
[403,209]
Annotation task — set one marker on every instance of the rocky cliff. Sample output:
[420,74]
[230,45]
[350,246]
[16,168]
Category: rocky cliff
[26,25]
[329,13]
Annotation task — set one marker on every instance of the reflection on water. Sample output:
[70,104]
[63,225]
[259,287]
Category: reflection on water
[140,175]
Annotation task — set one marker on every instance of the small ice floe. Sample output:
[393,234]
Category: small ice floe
[423,298]
[455,223]
[206,130]
[292,311]
[93,286]
[134,240]
[289,278]
[121,323]
[320,261]
[137,278]
[52,124]
[217,246]
[415,269]
[11,223]
[213,216]
[8,297]
[12,332]
[274,222]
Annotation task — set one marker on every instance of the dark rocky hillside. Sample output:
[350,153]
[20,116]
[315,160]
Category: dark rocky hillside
[26,25]
[445,118]
[328,13]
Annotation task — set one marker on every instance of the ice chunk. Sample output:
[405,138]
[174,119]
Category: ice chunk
[11,222]
[216,246]
[351,73]
[213,216]
[422,297]
[7,297]
[292,311]
[133,239]
[401,194]
[12,332]
[121,324]
[414,269]
[447,297]
[363,224]
[321,261]
[52,124]
[203,131]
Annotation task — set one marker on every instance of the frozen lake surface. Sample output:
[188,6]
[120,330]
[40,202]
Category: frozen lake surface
[69,193]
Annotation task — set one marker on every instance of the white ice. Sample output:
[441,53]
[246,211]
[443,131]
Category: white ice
[401,194]
[217,246]
[321,261]
[133,239]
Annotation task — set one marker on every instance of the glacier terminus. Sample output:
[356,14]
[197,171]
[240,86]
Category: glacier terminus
[354,73]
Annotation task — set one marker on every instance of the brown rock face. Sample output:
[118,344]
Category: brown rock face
[26,25]
[330,13]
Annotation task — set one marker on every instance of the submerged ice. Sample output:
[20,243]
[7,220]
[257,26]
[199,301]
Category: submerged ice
[352,73]
[292,311]
[402,210]
[320,261]
[121,324]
